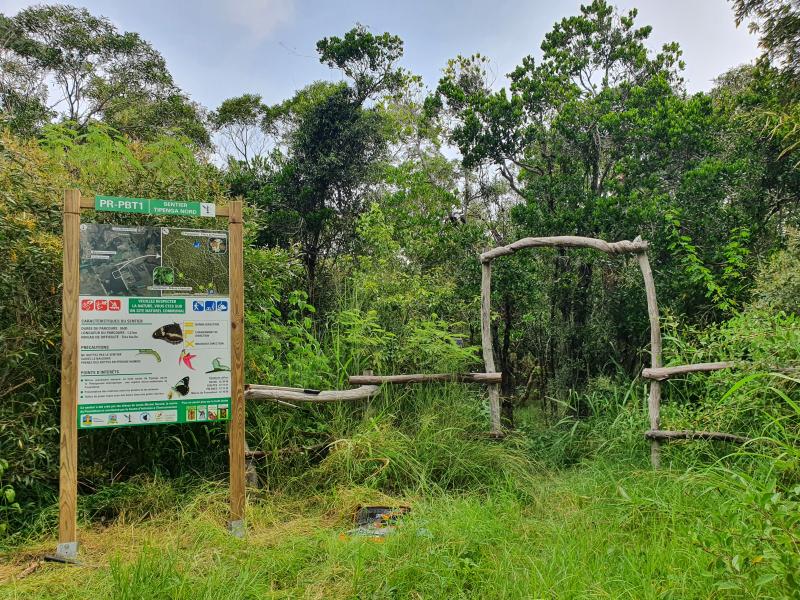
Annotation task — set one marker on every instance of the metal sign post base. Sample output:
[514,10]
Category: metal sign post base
[66,552]
[236,528]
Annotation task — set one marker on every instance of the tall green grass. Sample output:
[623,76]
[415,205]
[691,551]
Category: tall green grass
[567,510]
[596,532]
[754,533]
[415,439]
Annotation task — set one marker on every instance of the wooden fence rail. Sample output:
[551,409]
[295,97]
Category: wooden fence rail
[566,241]
[662,373]
[695,435]
[426,378]
[277,393]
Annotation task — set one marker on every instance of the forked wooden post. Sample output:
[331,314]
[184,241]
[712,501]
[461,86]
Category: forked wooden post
[236,448]
[486,344]
[654,399]
[68,470]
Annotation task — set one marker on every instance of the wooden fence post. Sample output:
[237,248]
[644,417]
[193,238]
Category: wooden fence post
[654,399]
[237,431]
[486,344]
[67,548]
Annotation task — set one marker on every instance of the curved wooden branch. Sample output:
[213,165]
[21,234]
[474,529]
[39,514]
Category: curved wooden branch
[566,241]
[277,393]
[426,377]
[655,434]
[662,373]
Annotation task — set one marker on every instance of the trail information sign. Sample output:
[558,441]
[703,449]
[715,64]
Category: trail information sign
[154,326]
[152,331]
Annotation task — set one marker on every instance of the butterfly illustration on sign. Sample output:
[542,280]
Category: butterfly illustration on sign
[171,333]
[181,388]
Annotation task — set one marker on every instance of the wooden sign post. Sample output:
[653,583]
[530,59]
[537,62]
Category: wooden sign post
[67,549]
[236,432]
[68,472]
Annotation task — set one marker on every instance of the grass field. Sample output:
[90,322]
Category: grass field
[572,510]
[590,532]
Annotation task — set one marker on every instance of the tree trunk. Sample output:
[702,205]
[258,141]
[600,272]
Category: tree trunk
[580,318]
[507,386]
[311,262]
[507,368]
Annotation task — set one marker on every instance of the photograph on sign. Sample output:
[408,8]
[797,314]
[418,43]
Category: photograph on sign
[154,326]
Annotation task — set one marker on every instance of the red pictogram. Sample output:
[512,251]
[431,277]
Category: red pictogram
[87,304]
[114,304]
[101,304]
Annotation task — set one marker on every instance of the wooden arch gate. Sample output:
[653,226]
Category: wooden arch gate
[655,374]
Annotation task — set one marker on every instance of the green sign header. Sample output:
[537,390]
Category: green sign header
[154,207]
[157,306]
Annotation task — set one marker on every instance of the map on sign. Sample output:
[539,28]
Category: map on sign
[152,261]
[198,259]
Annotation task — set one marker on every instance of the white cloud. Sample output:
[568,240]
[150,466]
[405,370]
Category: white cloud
[259,17]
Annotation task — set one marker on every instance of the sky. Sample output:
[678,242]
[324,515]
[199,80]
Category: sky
[217,49]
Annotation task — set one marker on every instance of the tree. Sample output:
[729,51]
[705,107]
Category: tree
[23,94]
[145,117]
[368,60]
[329,142]
[316,194]
[240,122]
[767,174]
[86,69]
[562,137]
[778,24]
[594,66]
